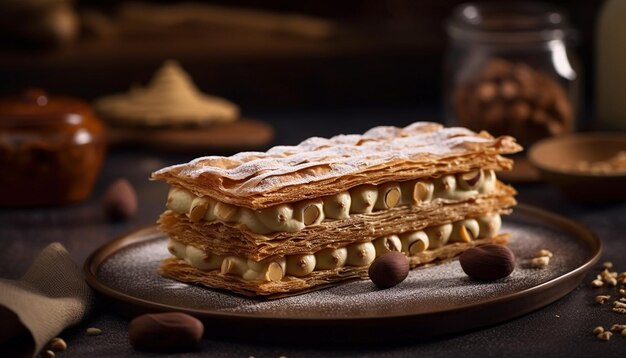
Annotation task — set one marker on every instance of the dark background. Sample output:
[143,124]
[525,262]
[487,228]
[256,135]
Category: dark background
[382,53]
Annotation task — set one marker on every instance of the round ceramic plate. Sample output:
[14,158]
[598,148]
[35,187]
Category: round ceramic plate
[431,301]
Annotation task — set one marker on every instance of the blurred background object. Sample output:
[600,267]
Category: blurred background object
[39,23]
[610,68]
[51,149]
[260,54]
[510,69]
[171,114]
[169,99]
[589,167]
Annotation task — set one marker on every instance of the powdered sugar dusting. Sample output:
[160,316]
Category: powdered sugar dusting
[340,155]
[437,288]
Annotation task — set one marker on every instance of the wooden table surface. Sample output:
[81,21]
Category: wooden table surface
[560,329]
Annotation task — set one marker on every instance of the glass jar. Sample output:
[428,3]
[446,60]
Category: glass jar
[51,150]
[510,69]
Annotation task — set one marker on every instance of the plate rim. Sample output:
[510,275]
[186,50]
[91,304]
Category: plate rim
[101,254]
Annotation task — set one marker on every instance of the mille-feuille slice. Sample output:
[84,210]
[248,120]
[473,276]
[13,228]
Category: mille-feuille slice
[308,216]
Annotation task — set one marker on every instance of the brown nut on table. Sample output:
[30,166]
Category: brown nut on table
[119,201]
[389,269]
[172,331]
[488,262]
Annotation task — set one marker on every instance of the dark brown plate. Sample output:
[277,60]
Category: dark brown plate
[431,301]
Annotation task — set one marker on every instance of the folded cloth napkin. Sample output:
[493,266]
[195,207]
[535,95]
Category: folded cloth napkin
[51,296]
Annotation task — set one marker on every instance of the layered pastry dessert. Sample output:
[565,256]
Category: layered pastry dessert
[297,218]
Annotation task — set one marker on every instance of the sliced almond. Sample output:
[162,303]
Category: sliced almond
[228,266]
[199,207]
[471,178]
[274,272]
[389,196]
[311,214]
[421,192]
[392,197]
[392,245]
[233,265]
[417,247]
[465,234]
[225,212]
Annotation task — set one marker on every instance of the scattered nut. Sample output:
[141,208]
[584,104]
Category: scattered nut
[389,269]
[601,299]
[605,336]
[93,331]
[619,304]
[611,282]
[606,274]
[622,292]
[619,310]
[540,262]
[618,327]
[614,164]
[623,333]
[488,262]
[598,330]
[173,331]
[57,344]
[597,283]
[544,252]
[119,201]
[47,354]
[607,265]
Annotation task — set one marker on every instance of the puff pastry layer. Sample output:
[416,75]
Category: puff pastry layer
[316,169]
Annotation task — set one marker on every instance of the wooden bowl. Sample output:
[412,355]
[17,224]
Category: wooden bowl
[558,159]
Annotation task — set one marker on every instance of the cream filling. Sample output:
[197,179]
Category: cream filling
[364,199]
[359,254]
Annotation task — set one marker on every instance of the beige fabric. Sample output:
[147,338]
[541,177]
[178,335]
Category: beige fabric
[51,296]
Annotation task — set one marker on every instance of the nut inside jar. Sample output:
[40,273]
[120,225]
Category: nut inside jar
[513,98]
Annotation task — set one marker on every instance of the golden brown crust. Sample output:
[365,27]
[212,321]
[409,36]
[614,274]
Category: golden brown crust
[318,166]
[181,271]
[224,239]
